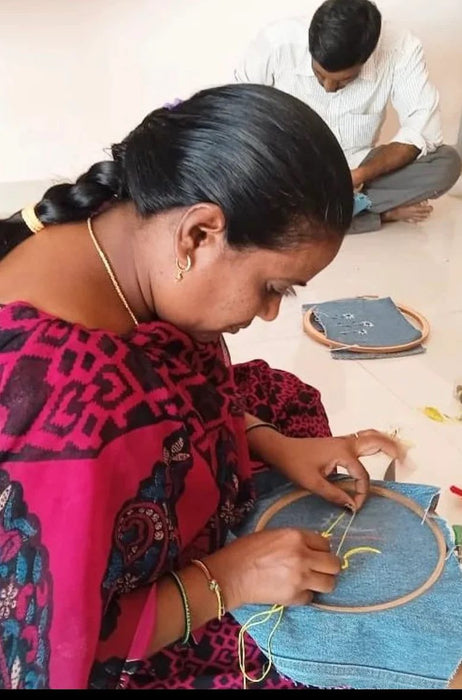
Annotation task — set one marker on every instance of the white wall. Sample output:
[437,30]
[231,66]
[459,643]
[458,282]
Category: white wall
[76,75]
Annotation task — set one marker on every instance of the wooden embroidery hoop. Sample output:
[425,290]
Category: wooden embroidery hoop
[413,316]
[348,485]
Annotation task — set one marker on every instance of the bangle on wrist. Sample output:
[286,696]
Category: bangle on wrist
[213,586]
[262,424]
[186,608]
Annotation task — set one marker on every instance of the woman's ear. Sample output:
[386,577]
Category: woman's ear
[201,225]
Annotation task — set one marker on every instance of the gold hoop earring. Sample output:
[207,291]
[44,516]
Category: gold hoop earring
[181,269]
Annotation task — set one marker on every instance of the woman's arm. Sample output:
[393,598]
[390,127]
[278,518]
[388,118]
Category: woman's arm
[309,461]
[170,618]
[284,566]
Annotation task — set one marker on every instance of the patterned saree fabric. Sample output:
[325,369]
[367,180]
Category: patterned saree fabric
[122,458]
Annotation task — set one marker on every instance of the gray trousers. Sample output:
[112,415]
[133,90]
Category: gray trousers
[425,178]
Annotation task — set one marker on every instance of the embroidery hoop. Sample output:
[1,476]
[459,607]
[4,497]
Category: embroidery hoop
[413,316]
[348,485]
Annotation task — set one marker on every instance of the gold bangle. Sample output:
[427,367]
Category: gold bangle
[213,586]
[262,424]
[31,219]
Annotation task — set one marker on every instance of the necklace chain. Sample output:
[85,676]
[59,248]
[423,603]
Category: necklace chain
[110,272]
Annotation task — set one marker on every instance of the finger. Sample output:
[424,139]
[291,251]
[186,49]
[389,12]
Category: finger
[315,541]
[370,442]
[320,583]
[323,563]
[362,481]
[330,491]
[303,598]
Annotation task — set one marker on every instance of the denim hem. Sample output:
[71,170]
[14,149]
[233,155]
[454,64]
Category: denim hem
[358,677]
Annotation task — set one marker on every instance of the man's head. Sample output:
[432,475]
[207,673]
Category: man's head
[342,36]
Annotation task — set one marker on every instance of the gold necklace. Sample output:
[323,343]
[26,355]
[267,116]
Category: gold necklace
[110,272]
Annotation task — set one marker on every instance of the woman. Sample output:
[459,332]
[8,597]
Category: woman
[125,431]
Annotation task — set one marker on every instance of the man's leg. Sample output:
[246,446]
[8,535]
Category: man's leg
[398,195]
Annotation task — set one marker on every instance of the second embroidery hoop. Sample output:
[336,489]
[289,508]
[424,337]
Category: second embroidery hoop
[412,315]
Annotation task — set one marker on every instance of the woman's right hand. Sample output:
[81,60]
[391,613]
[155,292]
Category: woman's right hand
[285,566]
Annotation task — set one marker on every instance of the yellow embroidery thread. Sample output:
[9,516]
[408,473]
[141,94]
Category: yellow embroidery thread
[355,550]
[262,617]
[328,532]
[258,619]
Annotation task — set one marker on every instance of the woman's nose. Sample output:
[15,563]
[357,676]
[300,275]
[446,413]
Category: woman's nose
[270,309]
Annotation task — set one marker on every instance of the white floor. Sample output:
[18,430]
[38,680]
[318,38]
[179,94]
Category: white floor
[416,265]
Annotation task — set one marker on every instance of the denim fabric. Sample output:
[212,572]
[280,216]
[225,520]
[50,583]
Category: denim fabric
[415,645]
[368,322]
[361,202]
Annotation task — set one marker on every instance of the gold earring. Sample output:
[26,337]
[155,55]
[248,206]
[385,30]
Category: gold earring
[181,269]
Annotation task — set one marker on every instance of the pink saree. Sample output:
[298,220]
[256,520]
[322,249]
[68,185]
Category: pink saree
[122,458]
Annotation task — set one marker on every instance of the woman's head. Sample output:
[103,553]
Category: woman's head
[261,166]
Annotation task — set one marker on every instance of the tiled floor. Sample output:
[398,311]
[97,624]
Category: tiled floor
[421,267]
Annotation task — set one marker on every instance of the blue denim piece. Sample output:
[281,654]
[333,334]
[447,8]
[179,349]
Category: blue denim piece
[361,202]
[415,645]
[367,322]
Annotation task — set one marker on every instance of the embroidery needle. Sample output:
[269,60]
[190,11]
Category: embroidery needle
[345,533]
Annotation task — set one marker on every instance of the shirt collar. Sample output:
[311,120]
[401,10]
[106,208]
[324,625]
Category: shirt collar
[303,66]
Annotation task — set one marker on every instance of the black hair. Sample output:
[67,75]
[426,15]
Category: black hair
[344,33]
[266,158]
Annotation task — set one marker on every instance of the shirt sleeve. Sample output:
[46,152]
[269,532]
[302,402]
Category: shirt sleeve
[416,100]
[259,62]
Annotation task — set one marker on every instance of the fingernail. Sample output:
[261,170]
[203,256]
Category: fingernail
[350,507]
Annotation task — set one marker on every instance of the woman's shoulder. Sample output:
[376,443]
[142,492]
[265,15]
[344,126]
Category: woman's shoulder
[65,381]
[74,389]
[32,337]
[35,343]
[23,326]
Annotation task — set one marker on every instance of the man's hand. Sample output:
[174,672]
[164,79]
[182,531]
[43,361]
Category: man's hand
[357,178]
[382,160]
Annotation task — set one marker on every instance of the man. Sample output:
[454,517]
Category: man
[349,66]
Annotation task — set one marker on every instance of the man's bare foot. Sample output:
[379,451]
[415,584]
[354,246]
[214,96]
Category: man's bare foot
[412,213]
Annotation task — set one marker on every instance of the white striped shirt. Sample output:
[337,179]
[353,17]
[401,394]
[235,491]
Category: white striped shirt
[395,72]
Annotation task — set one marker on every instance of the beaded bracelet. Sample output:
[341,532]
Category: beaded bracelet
[213,585]
[187,610]
[260,425]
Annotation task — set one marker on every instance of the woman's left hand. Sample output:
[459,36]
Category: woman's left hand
[308,462]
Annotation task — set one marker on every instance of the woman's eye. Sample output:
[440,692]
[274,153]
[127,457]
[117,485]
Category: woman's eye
[286,292]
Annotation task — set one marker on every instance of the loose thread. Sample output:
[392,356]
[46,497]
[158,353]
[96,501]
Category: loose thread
[429,508]
[258,619]
[346,347]
[327,533]
[345,533]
